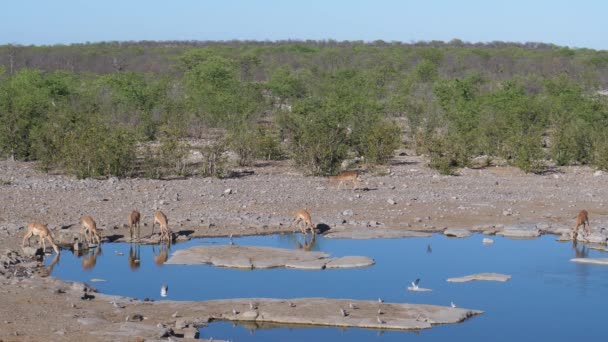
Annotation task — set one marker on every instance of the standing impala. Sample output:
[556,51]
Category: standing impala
[303,217]
[134,217]
[161,219]
[346,176]
[42,232]
[89,229]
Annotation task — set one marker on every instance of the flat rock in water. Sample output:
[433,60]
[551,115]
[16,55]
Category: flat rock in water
[481,276]
[457,232]
[520,231]
[250,257]
[595,261]
[375,233]
[326,312]
[97,280]
[350,262]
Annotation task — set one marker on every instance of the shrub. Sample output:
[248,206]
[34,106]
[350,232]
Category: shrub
[378,143]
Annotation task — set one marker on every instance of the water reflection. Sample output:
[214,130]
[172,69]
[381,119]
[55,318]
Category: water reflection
[163,253]
[583,252]
[48,270]
[90,259]
[134,257]
[305,243]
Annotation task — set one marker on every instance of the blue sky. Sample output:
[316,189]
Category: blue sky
[581,23]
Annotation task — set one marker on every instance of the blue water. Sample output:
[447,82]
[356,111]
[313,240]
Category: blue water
[548,298]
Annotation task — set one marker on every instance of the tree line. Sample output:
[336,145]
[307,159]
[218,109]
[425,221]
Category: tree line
[129,108]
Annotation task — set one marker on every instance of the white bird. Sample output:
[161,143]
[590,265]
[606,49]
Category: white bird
[175,315]
[231,242]
[352,306]
[234,312]
[416,288]
[163,290]
[292,304]
[380,312]
[252,306]
[379,320]
[343,312]
[453,305]
[380,300]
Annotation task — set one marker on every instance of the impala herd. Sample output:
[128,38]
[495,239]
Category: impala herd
[302,220]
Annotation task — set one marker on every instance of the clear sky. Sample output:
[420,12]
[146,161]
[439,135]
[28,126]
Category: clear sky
[574,23]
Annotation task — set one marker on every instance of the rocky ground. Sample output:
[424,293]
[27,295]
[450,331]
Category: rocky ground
[404,196]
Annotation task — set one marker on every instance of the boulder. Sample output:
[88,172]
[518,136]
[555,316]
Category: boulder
[250,257]
[481,276]
[520,231]
[595,261]
[376,233]
[457,232]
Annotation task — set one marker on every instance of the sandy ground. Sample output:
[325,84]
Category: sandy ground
[406,195]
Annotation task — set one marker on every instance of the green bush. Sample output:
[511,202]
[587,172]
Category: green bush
[378,143]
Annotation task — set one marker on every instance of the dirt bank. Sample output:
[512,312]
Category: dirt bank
[407,196]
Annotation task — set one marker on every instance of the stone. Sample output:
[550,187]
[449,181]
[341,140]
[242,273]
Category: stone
[376,233]
[350,262]
[191,333]
[348,212]
[30,251]
[457,232]
[391,201]
[481,276]
[250,257]
[91,321]
[325,312]
[595,261]
[520,231]
[228,191]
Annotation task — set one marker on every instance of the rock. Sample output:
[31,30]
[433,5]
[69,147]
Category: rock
[97,280]
[595,261]
[92,321]
[520,231]
[598,173]
[481,276]
[348,212]
[79,246]
[30,251]
[391,201]
[191,333]
[487,241]
[250,257]
[377,233]
[543,226]
[595,237]
[324,312]
[350,262]
[457,232]
[228,191]
[507,212]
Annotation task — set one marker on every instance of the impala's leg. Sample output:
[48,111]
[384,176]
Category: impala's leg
[27,237]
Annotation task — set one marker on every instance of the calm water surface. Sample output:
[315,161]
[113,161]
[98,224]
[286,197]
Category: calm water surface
[548,298]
